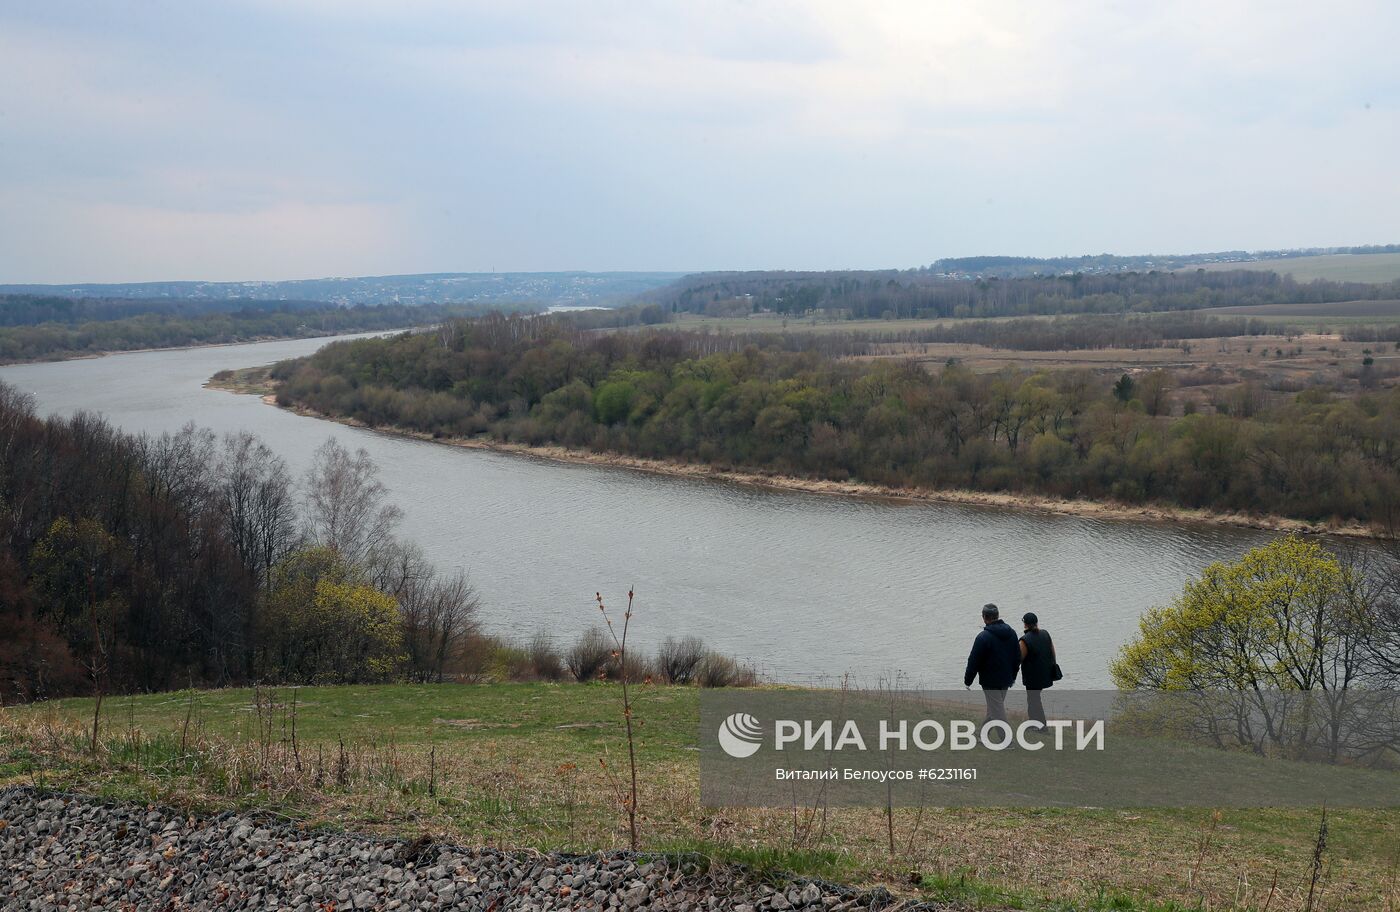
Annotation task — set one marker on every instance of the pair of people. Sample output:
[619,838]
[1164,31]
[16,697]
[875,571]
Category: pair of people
[997,654]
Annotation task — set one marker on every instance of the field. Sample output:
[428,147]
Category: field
[1297,357]
[1339,313]
[1306,350]
[538,765]
[1338,267]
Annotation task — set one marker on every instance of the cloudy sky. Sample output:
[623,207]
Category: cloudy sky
[195,139]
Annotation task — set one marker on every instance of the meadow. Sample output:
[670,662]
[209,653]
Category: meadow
[543,765]
[1336,267]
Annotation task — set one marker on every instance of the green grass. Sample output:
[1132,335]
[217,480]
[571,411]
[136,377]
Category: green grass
[574,720]
[537,766]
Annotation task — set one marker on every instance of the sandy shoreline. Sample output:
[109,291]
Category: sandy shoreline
[676,469]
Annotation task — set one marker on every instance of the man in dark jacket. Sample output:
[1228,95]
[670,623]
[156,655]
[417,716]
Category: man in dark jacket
[995,657]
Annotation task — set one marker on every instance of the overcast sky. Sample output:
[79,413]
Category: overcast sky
[195,139]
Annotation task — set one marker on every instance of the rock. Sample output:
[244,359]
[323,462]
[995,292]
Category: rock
[68,853]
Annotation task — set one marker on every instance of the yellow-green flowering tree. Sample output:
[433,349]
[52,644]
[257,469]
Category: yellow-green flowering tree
[366,638]
[1286,616]
[1266,653]
[321,623]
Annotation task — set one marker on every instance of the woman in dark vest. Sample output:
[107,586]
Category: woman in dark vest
[1037,664]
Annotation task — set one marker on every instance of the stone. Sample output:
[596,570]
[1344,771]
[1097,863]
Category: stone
[112,856]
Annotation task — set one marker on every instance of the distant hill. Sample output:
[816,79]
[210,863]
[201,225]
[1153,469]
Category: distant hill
[424,288]
[1337,267]
[32,309]
[924,294]
[1011,267]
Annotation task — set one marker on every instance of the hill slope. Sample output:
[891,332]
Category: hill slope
[538,766]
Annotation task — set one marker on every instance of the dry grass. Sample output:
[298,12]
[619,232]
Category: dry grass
[1306,351]
[256,381]
[1206,370]
[539,766]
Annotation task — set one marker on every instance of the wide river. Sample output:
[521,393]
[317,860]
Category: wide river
[804,586]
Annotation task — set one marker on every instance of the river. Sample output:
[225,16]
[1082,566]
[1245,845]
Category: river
[806,587]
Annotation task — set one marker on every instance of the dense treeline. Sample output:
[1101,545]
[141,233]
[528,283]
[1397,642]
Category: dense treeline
[687,396]
[1379,333]
[212,326]
[32,309]
[916,294]
[1014,266]
[138,563]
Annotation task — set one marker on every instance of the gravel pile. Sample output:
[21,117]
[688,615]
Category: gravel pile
[61,851]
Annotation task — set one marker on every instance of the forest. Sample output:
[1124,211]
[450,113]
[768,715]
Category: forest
[138,564]
[751,402]
[911,294]
[150,563]
[35,328]
[1014,266]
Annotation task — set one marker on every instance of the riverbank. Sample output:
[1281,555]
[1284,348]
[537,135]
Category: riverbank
[255,381]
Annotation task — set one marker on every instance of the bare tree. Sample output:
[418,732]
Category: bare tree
[399,568]
[620,641]
[1382,645]
[102,618]
[254,495]
[346,507]
[178,467]
[16,410]
[1156,390]
[439,616]
[452,619]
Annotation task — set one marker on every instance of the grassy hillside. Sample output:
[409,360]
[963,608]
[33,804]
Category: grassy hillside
[1336,267]
[537,765]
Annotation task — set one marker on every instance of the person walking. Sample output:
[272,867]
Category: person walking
[993,661]
[1038,666]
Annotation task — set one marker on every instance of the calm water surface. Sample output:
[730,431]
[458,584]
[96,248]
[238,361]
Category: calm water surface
[807,587]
